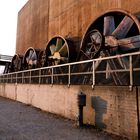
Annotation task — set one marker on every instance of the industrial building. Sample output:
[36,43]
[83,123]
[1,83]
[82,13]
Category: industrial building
[69,48]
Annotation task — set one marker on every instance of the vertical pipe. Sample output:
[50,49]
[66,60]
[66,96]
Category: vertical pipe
[16,78]
[22,76]
[80,121]
[131,72]
[52,77]
[39,76]
[69,77]
[6,78]
[93,74]
[30,78]
[11,78]
[81,103]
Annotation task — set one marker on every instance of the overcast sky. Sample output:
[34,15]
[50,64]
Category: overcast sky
[8,25]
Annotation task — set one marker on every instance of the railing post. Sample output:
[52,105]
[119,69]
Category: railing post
[22,77]
[93,74]
[16,78]
[30,77]
[69,77]
[7,78]
[11,78]
[39,76]
[52,77]
[131,72]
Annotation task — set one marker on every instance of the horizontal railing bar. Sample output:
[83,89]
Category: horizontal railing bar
[51,71]
[76,63]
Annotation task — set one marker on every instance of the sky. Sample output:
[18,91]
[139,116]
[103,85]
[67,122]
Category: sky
[8,25]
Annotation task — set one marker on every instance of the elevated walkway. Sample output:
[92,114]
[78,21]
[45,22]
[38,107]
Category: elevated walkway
[4,59]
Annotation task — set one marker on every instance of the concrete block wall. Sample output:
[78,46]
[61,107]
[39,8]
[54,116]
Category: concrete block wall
[113,109]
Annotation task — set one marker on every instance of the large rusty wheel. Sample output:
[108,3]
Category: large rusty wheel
[16,63]
[30,59]
[60,50]
[114,32]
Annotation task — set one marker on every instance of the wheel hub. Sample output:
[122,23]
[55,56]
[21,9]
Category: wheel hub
[111,41]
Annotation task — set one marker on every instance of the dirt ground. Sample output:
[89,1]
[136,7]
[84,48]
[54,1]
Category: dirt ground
[22,122]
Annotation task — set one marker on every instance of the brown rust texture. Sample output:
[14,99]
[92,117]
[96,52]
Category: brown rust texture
[40,20]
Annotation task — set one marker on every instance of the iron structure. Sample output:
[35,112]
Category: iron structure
[114,33]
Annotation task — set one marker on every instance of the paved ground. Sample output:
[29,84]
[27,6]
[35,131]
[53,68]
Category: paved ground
[22,122]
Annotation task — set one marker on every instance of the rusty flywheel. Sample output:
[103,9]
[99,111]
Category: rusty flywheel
[114,32]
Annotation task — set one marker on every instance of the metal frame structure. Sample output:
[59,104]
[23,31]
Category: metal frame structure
[48,75]
[5,59]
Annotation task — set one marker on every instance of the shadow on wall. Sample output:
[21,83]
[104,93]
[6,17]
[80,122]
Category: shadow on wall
[100,107]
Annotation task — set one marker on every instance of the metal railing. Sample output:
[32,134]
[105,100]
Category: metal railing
[83,72]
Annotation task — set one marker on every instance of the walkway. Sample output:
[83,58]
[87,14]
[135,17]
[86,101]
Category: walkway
[23,122]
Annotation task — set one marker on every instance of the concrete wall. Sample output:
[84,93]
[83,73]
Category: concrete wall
[113,109]
[40,20]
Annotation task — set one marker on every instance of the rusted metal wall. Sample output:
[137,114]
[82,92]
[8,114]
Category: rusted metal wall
[32,28]
[40,20]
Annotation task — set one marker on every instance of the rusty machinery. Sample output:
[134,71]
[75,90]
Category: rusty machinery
[30,59]
[16,63]
[114,32]
[60,50]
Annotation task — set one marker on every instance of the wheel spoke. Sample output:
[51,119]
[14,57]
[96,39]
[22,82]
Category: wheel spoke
[52,49]
[27,59]
[124,63]
[34,56]
[111,65]
[63,51]
[93,37]
[123,28]
[58,44]
[109,25]
[130,43]
[30,54]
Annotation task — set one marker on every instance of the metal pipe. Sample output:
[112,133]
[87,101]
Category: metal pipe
[81,104]
[131,73]
[39,76]
[52,77]
[93,74]
[69,76]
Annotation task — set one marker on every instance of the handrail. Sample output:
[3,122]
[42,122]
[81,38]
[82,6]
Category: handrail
[52,74]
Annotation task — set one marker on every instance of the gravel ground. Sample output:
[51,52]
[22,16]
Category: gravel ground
[22,122]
